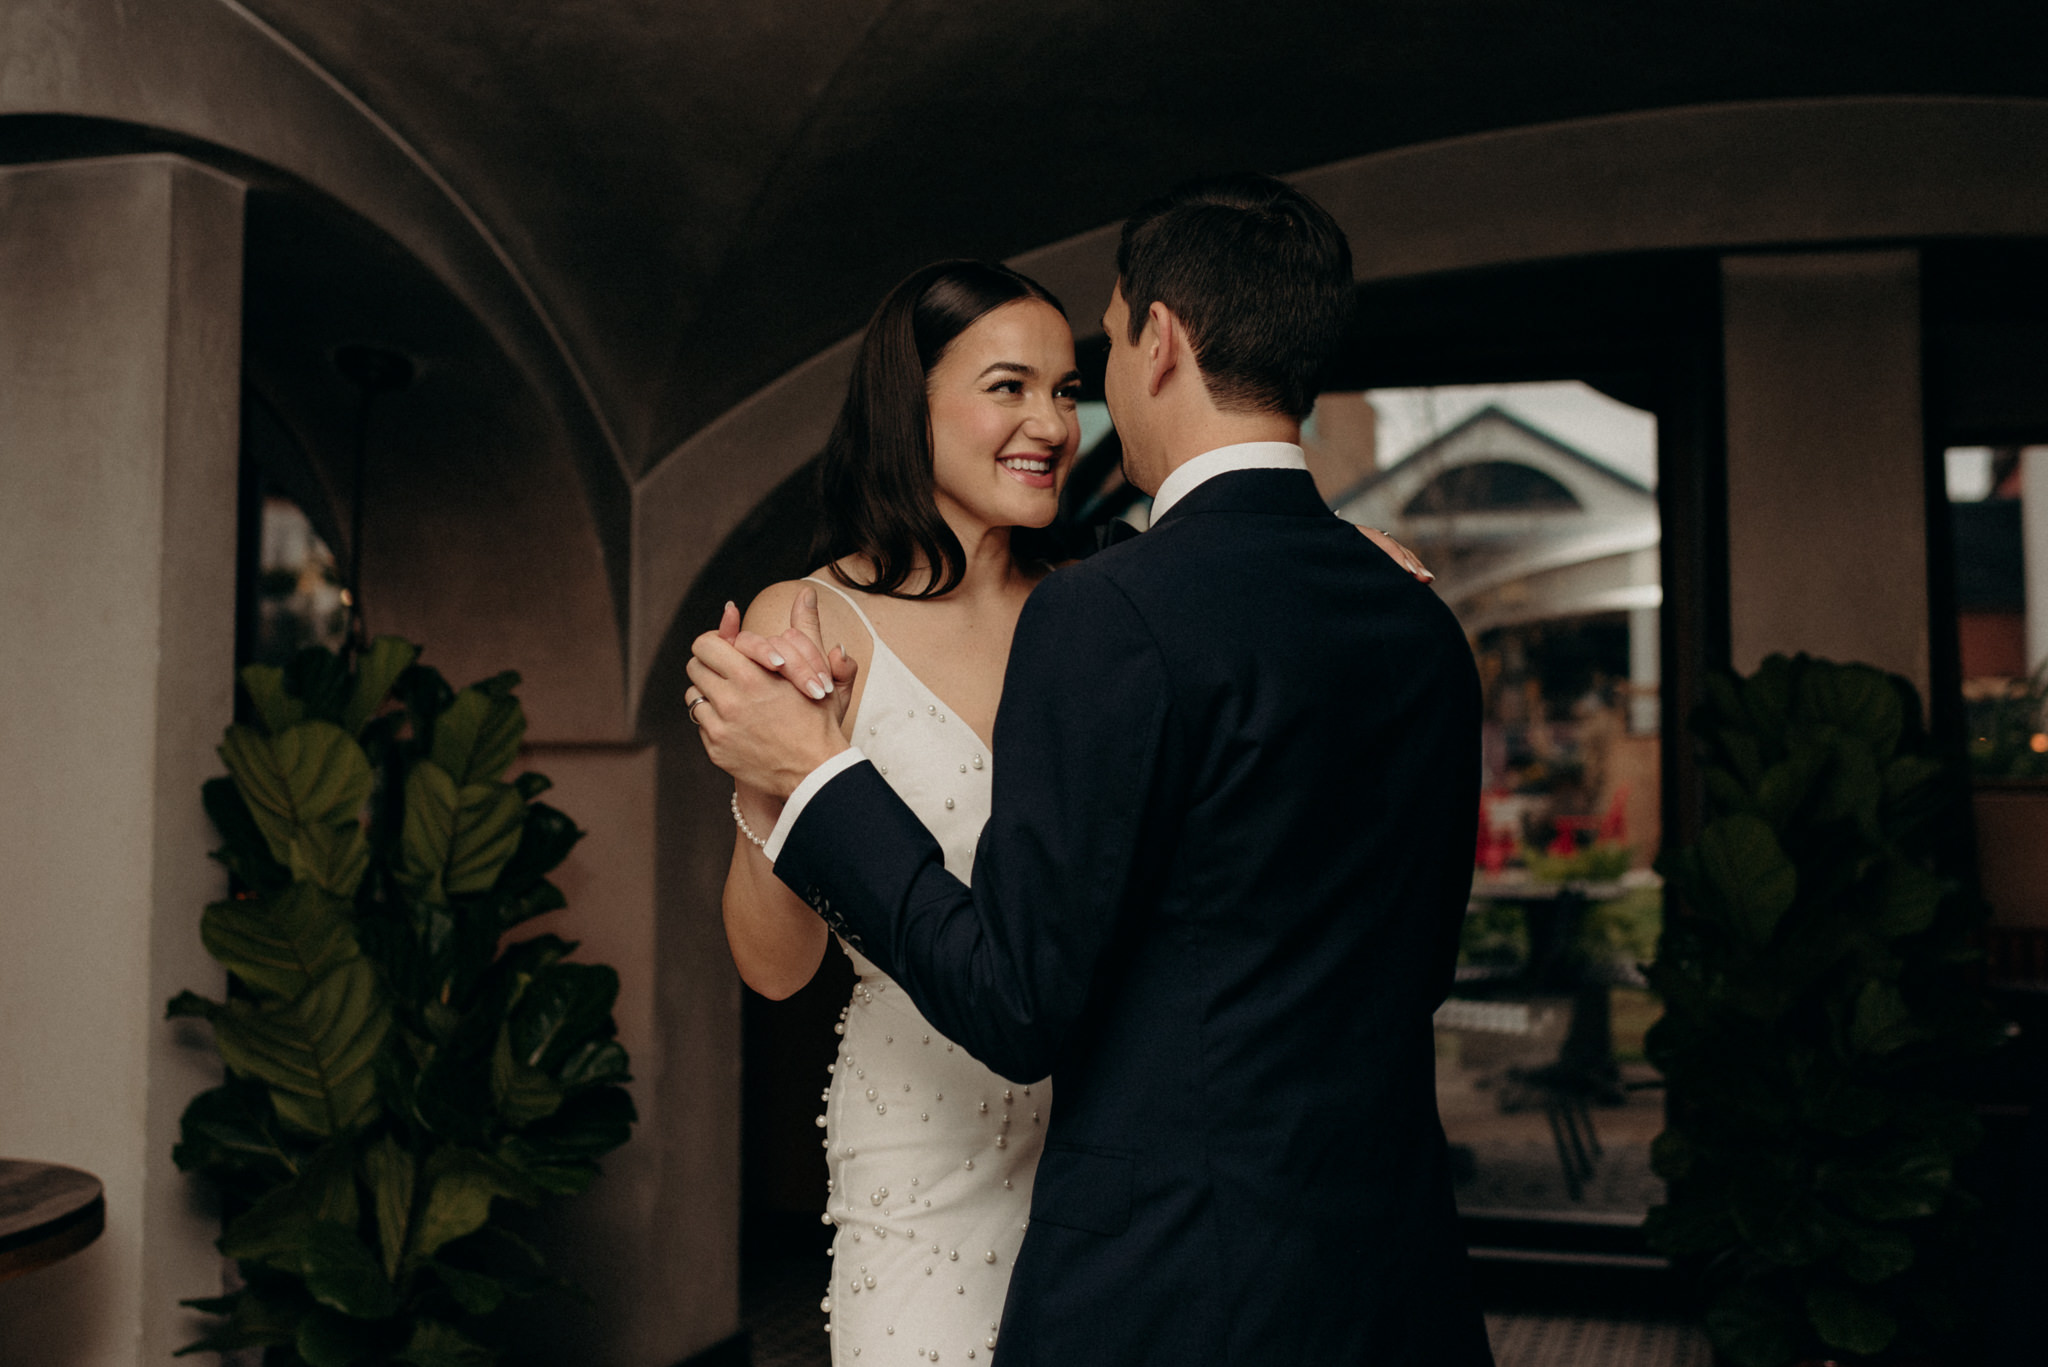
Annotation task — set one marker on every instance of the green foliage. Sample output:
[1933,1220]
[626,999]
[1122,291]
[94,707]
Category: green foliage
[393,1073]
[1817,1022]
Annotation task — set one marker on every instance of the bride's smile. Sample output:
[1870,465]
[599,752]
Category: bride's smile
[1003,423]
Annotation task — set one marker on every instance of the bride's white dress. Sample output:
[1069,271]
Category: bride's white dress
[930,1155]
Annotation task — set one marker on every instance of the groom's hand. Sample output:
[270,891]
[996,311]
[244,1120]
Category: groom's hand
[754,725]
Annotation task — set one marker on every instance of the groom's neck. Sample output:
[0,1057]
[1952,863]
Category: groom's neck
[1204,432]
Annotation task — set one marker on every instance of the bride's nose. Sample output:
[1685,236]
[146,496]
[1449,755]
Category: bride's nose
[1047,422]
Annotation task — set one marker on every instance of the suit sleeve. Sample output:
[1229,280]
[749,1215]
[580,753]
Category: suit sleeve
[1005,967]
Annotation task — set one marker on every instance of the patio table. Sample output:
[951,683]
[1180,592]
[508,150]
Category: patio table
[47,1213]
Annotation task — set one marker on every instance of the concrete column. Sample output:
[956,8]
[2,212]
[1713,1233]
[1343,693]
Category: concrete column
[120,357]
[2034,548]
[1827,507]
[1645,652]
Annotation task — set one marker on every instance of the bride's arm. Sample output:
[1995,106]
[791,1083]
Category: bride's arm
[777,942]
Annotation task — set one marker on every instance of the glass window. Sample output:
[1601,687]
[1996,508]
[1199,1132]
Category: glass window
[1998,517]
[300,600]
[1536,506]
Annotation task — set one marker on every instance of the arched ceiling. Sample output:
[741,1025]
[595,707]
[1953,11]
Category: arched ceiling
[703,193]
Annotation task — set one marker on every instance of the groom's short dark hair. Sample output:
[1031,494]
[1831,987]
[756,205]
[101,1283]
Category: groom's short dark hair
[1259,274]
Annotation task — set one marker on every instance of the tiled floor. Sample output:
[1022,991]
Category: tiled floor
[788,1329]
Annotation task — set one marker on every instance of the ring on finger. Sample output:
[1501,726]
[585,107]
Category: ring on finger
[691,710]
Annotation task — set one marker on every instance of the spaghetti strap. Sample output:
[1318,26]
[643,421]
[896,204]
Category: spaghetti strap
[872,633]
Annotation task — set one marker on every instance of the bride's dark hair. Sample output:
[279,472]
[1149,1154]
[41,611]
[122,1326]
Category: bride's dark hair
[876,479]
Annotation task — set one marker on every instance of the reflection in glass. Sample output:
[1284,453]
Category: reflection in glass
[1998,517]
[300,600]
[1536,507]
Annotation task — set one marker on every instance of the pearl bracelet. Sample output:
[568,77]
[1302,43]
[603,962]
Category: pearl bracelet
[741,822]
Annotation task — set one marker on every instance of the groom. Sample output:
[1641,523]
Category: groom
[1218,898]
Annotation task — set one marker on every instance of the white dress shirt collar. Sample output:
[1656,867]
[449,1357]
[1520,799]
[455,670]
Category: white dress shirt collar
[1247,455]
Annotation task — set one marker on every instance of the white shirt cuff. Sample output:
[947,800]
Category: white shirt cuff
[805,791]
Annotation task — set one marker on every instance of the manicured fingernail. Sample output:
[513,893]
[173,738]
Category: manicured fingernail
[815,691]
[776,660]
[1427,576]
[731,606]
[826,679]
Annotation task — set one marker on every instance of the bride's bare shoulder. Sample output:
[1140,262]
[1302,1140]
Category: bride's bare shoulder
[769,613]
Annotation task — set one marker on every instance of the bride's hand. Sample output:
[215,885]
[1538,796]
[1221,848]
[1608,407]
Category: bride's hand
[796,653]
[1403,557]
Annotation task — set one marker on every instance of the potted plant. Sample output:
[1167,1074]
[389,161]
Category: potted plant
[1817,1022]
[392,1070]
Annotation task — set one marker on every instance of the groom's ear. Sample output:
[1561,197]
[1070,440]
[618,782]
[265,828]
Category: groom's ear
[1163,337]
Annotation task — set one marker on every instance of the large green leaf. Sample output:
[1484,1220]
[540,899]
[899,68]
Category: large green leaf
[454,841]
[538,900]
[588,1125]
[1873,1255]
[341,1272]
[1742,861]
[544,842]
[278,708]
[1671,1156]
[1859,699]
[282,944]
[1883,1023]
[434,1344]
[314,1054]
[1767,698]
[231,1128]
[1752,1328]
[1782,1223]
[487,829]
[1850,1320]
[275,1229]
[563,1007]
[377,669]
[311,774]
[334,857]
[328,1338]
[521,1092]
[1903,1182]
[244,850]
[460,1185]
[1907,899]
[478,737]
[428,832]
[1851,788]
[254,1320]
[477,1292]
[1786,785]
[597,1063]
[388,1171]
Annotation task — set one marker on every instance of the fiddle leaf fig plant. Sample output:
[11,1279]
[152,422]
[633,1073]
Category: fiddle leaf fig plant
[395,1071]
[1818,1022]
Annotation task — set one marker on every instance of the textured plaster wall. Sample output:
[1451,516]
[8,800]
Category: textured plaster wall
[120,295]
[1827,503]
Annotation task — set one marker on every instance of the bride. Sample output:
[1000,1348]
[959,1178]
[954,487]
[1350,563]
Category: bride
[958,430]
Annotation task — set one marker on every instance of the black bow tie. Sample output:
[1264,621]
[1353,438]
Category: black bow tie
[1113,532]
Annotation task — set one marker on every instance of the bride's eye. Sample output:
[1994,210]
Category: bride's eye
[1006,387]
[1068,393]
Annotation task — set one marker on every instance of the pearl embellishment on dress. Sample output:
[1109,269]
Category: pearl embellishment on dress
[922,758]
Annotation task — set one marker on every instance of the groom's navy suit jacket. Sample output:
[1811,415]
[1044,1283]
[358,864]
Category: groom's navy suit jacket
[1236,786]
